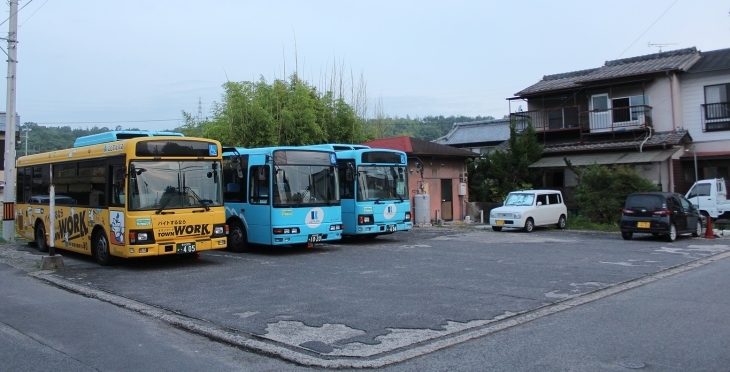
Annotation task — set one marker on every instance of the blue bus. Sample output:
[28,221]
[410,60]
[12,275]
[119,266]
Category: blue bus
[281,196]
[373,190]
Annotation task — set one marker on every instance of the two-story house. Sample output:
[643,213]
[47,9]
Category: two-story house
[628,111]
[705,91]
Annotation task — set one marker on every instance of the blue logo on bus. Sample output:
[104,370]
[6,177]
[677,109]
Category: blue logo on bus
[333,159]
[212,150]
[314,217]
[389,211]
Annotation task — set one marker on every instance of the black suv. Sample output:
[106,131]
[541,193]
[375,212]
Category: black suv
[659,213]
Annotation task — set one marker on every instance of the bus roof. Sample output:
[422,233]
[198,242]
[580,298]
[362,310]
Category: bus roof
[113,136]
[341,146]
[115,148]
[271,149]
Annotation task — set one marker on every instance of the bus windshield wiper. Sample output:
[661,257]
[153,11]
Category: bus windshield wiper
[166,202]
[204,202]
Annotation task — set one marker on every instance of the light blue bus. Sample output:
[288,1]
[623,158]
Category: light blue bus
[373,190]
[281,196]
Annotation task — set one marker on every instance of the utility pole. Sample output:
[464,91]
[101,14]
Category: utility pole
[9,191]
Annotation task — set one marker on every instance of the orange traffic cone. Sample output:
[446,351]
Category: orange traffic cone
[709,234]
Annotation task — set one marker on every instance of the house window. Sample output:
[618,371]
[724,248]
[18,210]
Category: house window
[716,101]
[629,108]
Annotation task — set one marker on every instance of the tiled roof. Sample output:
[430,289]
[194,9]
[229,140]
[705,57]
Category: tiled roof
[713,60]
[676,60]
[663,139]
[415,146]
[476,132]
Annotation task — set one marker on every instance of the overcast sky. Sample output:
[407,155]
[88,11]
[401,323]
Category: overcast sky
[140,63]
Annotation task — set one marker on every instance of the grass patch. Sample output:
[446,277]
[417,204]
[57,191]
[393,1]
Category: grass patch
[583,223]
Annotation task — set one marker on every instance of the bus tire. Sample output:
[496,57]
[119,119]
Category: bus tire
[40,237]
[238,240]
[100,249]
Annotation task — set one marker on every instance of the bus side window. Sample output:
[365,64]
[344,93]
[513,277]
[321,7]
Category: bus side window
[118,185]
[259,188]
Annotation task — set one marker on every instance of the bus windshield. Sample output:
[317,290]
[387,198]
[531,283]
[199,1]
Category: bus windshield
[160,185]
[381,183]
[296,185]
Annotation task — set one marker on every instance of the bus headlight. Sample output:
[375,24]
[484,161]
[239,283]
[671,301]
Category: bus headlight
[141,237]
[408,216]
[220,230]
[365,219]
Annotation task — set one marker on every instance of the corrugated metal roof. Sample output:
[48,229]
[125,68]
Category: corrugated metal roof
[476,132]
[632,157]
[676,60]
[664,139]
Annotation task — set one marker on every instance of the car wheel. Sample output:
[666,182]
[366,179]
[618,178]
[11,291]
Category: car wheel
[627,235]
[100,249]
[698,229]
[562,222]
[529,225]
[672,236]
[40,237]
[497,228]
[238,240]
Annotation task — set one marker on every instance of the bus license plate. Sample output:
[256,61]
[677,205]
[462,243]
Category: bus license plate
[392,228]
[183,248]
[643,225]
[314,238]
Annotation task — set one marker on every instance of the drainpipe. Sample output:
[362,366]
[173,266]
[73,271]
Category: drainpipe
[671,96]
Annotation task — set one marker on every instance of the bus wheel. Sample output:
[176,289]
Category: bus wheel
[237,239]
[100,249]
[40,237]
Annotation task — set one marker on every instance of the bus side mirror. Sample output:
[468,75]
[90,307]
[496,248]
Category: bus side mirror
[349,172]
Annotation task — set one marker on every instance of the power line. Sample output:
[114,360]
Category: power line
[647,29]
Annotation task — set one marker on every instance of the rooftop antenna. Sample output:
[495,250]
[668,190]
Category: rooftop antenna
[659,45]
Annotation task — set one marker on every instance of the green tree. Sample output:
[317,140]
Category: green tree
[492,177]
[602,190]
[281,113]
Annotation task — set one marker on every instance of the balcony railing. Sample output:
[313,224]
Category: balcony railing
[595,121]
[715,116]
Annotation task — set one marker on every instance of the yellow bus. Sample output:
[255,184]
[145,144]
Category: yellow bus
[124,194]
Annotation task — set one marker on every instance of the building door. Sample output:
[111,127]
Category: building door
[447,200]
[600,113]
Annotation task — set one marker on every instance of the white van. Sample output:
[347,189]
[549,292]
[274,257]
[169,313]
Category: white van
[526,209]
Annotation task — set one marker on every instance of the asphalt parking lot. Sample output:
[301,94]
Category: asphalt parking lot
[374,302]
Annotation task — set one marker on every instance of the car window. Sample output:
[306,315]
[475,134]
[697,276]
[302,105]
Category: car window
[645,201]
[686,205]
[520,199]
[699,190]
[542,199]
[554,198]
[673,204]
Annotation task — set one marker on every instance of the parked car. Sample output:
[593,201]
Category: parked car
[526,209]
[660,213]
[710,197]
